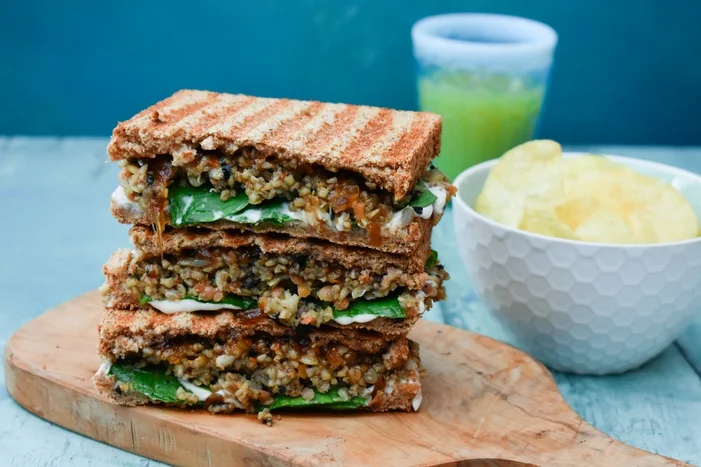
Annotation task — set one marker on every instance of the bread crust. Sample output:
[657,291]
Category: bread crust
[391,148]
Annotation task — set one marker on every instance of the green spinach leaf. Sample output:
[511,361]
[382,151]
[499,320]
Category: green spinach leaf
[432,259]
[151,382]
[386,307]
[145,299]
[273,212]
[425,198]
[193,205]
[330,400]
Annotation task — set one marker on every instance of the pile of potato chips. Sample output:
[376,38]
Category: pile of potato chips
[587,198]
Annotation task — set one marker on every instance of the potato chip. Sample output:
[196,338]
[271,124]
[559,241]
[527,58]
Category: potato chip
[604,226]
[575,209]
[529,173]
[588,198]
[653,211]
[543,220]
[656,212]
[581,166]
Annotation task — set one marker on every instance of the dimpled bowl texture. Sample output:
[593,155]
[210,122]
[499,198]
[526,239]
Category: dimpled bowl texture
[582,307]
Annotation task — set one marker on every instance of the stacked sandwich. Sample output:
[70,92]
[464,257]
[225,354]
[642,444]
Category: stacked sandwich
[281,255]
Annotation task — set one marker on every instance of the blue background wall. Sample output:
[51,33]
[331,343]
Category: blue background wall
[627,71]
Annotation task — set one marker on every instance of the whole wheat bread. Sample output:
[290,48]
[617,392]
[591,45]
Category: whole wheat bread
[390,148]
[175,240]
[118,297]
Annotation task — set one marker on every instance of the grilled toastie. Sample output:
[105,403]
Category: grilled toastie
[292,281]
[221,363]
[353,175]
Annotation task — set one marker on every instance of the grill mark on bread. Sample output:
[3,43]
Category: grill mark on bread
[330,115]
[263,120]
[408,141]
[179,103]
[159,119]
[209,115]
[269,126]
[231,124]
[327,141]
[333,139]
[179,123]
[296,124]
[371,137]
[169,118]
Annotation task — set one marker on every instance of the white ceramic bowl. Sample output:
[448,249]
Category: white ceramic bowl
[582,307]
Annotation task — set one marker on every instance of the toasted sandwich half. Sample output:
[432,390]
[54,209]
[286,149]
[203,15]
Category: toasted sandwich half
[348,174]
[222,363]
[293,281]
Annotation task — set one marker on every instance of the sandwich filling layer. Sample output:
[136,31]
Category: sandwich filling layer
[248,188]
[258,372]
[291,288]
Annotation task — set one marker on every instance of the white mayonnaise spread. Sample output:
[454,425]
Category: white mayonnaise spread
[187,306]
[442,195]
[416,401]
[119,199]
[362,318]
[104,367]
[426,212]
[251,215]
[297,215]
[201,393]
[401,219]
[229,398]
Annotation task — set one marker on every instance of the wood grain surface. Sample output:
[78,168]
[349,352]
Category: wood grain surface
[485,404]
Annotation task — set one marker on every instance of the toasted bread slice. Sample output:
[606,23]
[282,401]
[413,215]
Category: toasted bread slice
[390,369]
[175,240]
[404,397]
[123,332]
[390,148]
[221,351]
[119,293]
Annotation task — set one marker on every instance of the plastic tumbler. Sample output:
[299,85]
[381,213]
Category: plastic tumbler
[486,75]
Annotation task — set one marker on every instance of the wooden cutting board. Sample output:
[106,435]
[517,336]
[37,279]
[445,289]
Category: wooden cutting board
[484,404]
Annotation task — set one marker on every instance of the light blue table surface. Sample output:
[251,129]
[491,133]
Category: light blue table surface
[56,231]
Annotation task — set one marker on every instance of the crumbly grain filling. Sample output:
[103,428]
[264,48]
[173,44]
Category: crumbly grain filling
[347,199]
[249,372]
[293,289]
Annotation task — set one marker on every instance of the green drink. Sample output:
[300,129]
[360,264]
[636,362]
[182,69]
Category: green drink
[481,120]
[486,76]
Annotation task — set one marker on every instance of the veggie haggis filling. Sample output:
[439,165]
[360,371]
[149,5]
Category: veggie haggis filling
[248,188]
[294,289]
[260,372]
